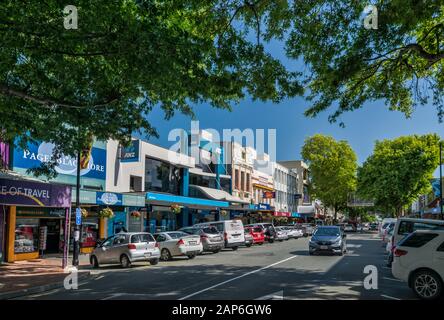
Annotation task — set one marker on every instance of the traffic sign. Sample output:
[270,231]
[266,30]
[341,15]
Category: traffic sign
[78,216]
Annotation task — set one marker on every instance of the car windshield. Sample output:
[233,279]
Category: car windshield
[177,235]
[327,232]
[257,229]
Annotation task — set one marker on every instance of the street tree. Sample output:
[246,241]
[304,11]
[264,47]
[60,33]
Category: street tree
[332,170]
[65,79]
[399,170]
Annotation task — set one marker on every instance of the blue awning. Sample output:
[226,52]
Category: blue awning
[168,199]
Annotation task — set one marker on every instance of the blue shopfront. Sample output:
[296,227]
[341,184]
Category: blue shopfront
[166,212]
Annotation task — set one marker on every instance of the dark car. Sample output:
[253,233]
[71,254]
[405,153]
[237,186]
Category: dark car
[328,239]
[210,237]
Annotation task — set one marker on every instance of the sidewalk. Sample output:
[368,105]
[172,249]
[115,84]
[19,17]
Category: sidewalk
[26,277]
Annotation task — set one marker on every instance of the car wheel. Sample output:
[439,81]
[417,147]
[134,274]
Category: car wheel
[94,262]
[234,248]
[260,243]
[154,262]
[426,285]
[125,261]
[216,251]
[165,255]
[310,253]
[248,245]
[191,256]
[270,241]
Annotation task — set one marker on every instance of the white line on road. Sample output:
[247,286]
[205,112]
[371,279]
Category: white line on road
[279,295]
[393,279]
[241,276]
[389,297]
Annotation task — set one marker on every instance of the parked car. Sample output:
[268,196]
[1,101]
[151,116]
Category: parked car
[248,239]
[210,237]
[126,248]
[309,228]
[178,243]
[269,230]
[349,228]
[257,233]
[384,224]
[405,226]
[374,226]
[419,261]
[281,234]
[388,232]
[359,228]
[302,229]
[366,227]
[231,230]
[293,232]
[328,239]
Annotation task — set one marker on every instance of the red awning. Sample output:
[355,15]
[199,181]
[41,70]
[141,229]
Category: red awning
[282,214]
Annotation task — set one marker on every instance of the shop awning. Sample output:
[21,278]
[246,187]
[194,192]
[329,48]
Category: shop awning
[261,186]
[169,199]
[217,194]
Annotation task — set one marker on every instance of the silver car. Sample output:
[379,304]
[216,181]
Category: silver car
[126,248]
[281,234]
[178,243]
[210,237]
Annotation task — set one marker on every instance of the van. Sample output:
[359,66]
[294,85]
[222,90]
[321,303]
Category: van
[384,224]
[232,231]
[405,226]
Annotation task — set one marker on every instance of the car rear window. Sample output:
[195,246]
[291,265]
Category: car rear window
[177,235]
[210,230]
[417,240]
[218,226]
[257,229]
[138,238]
[190,230]
[407,227]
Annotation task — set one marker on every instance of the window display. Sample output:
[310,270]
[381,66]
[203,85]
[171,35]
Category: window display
[26,236]
[90,233]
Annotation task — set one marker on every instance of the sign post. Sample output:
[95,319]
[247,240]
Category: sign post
[42,239]
[67,234]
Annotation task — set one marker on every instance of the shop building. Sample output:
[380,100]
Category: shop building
[35,215]
[285,184]
[303,174]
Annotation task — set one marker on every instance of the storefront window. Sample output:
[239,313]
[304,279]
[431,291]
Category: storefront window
[90,232]
[26,235]
[162,220]
[135,224]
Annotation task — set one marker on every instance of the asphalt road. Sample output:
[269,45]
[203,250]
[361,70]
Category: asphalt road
[282,270]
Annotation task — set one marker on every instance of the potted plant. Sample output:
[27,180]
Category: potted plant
[176,208]
[106,213]
[224,213]
[136,214]
[84,212]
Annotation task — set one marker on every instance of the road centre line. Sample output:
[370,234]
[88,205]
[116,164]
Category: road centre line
[389,297]
[235,278]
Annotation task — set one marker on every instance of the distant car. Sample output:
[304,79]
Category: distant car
[281,234]
[374,226]
[210,237]
[231,230]
[349,228]
[388,232]
[359,228]
[419,261]
[366,227]
[384,224]
[257,233]
[126,248]
[293,233]
[328,239]
[248,239]
[309,228]
[178,243]
[302,229]
[269,230]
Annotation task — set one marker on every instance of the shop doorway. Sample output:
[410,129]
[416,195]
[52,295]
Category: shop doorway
[53,234]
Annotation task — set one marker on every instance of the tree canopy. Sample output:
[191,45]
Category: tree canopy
[332,170]
[126,57]
[399,171]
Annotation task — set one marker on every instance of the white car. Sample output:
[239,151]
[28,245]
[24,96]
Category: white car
[294,233]
[384,224]
[419,261]
[349,228]
[281,234]
[232,231]
[178,243]
[405,226]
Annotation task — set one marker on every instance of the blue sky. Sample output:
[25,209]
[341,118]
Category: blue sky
[362,127]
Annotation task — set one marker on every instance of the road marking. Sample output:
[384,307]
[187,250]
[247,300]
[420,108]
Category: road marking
[238,277]
[278,295]
[389,297]
[393,279]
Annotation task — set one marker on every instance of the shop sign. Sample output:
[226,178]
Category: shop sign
[34,155]
[295,215]
[78,216]
[40,212]
[263,206]
[109,199]
[282,214]
[269,195]
[130,153]
[29,193]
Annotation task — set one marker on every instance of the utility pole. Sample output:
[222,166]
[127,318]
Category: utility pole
[440,181]
[76,245]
